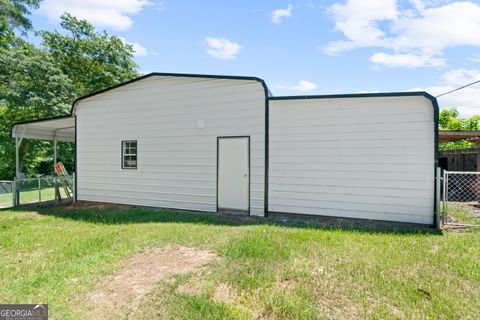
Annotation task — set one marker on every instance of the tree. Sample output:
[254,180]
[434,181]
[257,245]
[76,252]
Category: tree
[32,86]
[92,60]
[43,82]
[15,12]
[449,120]
[14,15]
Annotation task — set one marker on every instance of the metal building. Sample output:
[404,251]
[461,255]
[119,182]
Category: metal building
[222,143]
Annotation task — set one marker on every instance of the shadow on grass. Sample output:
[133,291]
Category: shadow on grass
[153,215]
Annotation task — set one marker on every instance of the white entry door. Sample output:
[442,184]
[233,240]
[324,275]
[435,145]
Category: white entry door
[233,173]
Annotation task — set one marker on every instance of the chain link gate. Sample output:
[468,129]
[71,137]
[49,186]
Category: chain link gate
[461,198]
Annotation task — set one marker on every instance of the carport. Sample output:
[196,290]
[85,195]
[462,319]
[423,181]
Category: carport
[459,135]
[54,129]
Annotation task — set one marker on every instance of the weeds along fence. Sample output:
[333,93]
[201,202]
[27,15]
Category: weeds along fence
[36,191]
[461,197]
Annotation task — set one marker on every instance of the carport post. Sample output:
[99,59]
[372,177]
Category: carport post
[18,142]
[17,155]
[55,150]
[16,191]
[54,162]
[437,197]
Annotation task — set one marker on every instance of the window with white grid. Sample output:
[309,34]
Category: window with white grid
[129,154]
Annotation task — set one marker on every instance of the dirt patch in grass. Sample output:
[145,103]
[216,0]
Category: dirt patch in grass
[97,205]
[459,227]
[193,286]
[224,293]
[221,292]
[287,284]
[120,294]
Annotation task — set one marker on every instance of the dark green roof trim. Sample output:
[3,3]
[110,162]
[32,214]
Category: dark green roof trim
[184,75]
[436,111]
[358,95]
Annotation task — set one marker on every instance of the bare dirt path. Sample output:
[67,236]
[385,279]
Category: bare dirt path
[119,294]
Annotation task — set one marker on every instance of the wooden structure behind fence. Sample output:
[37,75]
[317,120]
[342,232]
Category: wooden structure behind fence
[460,159]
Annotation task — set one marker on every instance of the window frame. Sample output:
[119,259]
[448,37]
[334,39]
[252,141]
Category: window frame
[122,160]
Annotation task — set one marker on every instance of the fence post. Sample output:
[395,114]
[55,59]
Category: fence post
[39,191]
[58,196]
[17,192]
[74,193]
[447,195]
[14,188]
[55,189]
[437,193]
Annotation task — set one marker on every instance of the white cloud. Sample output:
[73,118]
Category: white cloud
[222,48]
[302,85]
[139,50]
[279,14]
[475,58]
[466,100]
[462,76]
[413,34]
[453,24]
[358,21]
[409,60]
[104,13]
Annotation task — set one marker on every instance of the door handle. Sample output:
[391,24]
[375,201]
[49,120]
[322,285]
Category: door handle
[245,175]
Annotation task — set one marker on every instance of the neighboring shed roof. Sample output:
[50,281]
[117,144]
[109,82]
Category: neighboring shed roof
[458,135]
[61,128]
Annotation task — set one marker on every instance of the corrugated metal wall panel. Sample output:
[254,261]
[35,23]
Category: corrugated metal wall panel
[176,160]
[368,157]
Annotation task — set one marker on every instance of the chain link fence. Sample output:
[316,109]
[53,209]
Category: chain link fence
[6,194]
[461,198]
[36,191]
[42,190]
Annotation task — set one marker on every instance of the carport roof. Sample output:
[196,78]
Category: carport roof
[458,135]
[59,128]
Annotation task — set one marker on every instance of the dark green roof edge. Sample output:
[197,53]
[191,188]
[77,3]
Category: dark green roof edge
[167,74]
[358,95]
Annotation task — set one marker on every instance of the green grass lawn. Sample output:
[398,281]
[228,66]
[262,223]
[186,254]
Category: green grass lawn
[276,271]
[30,196]
[467,212]
[6,200]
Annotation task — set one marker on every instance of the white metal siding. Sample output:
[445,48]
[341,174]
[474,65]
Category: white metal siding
[367,158]
[176,160]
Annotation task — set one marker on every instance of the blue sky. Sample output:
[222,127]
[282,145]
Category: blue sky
[300,47]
